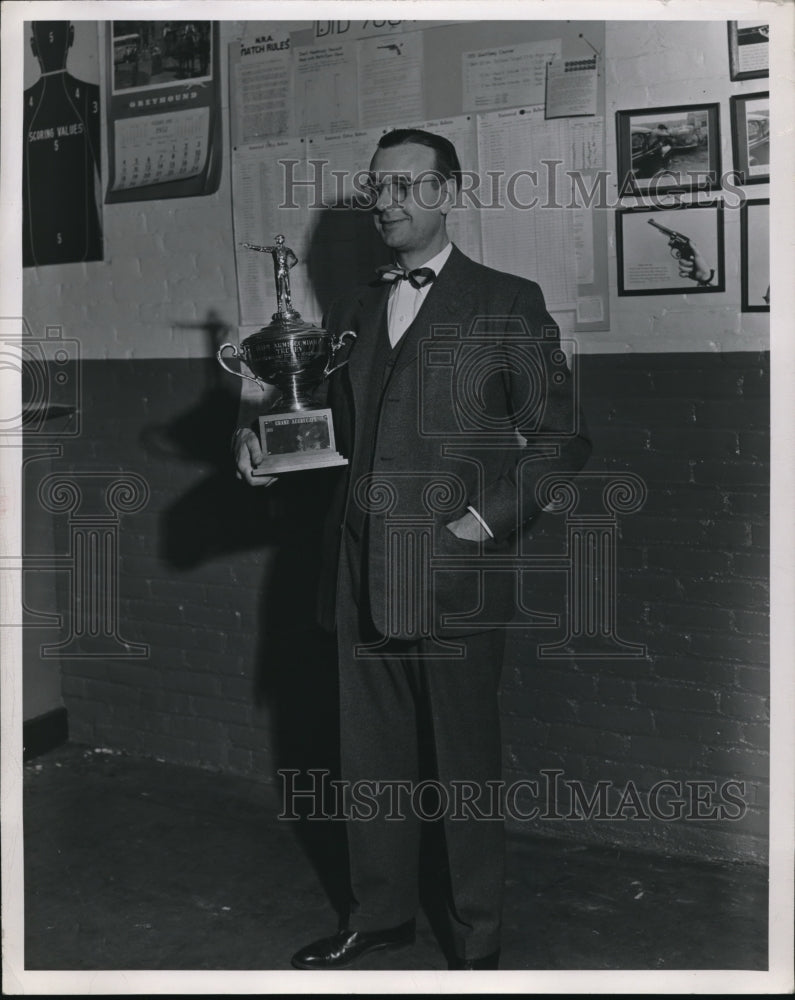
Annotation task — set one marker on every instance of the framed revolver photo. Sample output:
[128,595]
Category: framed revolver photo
[670,251]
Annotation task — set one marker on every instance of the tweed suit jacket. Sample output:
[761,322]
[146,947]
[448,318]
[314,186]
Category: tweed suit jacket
[474,406]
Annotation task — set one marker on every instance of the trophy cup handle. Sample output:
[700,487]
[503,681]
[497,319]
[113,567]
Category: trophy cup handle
[336,344]
[238,355]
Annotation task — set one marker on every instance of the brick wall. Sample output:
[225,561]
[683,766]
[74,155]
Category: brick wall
[218,581]
[692,586]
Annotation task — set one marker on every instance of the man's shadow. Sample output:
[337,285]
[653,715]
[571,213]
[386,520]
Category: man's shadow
[218,516]
[343,252]
[295,675]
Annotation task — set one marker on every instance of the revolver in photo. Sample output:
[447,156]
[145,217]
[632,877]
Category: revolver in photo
[682,249]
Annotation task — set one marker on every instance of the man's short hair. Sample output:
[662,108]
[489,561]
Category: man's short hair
[447,163]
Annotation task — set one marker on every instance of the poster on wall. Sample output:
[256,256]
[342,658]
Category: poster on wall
[260,86]
[507,76]
[61,168]
[325,85]
[163,109]
[390,79]
[571,88]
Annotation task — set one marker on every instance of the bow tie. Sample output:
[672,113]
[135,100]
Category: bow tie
[417,278]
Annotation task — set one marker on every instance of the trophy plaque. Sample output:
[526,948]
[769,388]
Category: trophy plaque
[295,357]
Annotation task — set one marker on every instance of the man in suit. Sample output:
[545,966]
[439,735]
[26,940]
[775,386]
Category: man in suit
[455,401]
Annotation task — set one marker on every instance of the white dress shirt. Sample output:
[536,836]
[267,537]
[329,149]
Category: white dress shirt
[405,300]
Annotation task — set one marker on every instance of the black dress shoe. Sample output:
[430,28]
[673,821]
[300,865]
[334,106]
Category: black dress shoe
[491,961]
[345,947]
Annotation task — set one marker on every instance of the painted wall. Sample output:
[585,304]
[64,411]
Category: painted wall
[170,268]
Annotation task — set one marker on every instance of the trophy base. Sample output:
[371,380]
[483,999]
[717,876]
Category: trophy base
[295,463]
[303,439]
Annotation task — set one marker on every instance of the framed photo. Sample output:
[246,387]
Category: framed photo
[750,114]
[749,49]
[660,149]
[755,255]
[670,251]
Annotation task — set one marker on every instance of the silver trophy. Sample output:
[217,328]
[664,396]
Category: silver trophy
[295,357]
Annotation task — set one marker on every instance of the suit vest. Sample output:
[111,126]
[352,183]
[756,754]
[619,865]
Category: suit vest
[382,358]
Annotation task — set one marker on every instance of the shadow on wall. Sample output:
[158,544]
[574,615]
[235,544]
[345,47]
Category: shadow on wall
[215,517]
[295,672]
[344,250]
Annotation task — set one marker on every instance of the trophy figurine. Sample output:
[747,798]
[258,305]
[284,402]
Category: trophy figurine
[295,357]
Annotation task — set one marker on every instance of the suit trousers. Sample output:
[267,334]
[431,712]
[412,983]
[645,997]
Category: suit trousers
[393,702]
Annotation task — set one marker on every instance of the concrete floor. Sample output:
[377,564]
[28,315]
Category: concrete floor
[135,864]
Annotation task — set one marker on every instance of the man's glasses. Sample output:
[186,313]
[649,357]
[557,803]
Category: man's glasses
[397,189]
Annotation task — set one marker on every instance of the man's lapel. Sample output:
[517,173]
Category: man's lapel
[451,297]
[371,318]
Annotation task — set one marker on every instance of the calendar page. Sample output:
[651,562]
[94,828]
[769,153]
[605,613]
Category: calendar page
[160,148]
